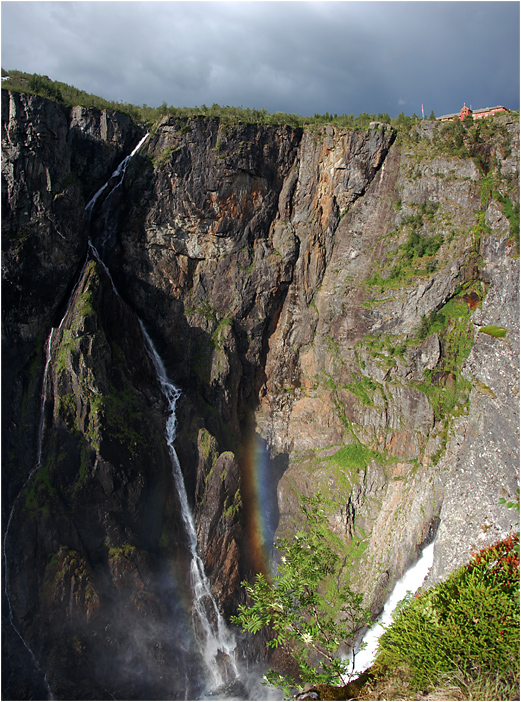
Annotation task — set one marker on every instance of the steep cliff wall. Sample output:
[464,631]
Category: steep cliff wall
[93,547]
[334,288]
[53,160]
[322,296]
[374,399]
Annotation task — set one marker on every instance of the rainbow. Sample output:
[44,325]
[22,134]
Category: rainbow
[258,487]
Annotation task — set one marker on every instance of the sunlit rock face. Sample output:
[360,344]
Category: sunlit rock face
[318,293]
[339,373]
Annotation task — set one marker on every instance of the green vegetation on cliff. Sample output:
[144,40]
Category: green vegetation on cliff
[65,94]
[444,385]
[309,605]
[96,406]
[69,96]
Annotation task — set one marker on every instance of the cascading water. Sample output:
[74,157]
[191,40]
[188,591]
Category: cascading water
[215,640]
[43,399]
[118,173]
[115,180]
[410,582]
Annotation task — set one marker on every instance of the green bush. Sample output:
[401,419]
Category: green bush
[469,624]
[431,324]
[355,456]
[452,137]
[308,607]
[418,245]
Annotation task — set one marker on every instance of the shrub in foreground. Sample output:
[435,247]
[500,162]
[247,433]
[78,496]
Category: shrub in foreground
[465,629]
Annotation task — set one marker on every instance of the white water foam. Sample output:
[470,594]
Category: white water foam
[409,582]
[216,641]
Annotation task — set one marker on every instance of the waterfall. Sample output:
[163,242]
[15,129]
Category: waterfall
[41,431]
[118,173]
[115,180]
[217,643]
[43,398]
[409,582]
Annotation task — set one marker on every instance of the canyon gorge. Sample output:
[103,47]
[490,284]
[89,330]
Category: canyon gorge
[338,311]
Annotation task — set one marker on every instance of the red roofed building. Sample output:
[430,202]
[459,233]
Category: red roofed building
[488,111]
[475,114]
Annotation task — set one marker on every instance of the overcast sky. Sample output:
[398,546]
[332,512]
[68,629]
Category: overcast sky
[297,57]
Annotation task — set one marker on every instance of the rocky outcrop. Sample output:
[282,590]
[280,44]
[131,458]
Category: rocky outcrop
[100,515]
[323,293]
[219,501]
[49,156]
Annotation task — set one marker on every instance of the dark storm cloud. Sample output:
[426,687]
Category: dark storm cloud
[301,57]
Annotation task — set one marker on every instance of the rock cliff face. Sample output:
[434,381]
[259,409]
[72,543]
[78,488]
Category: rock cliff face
[52,163]
[368,387]
[348,300]
[91,519]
